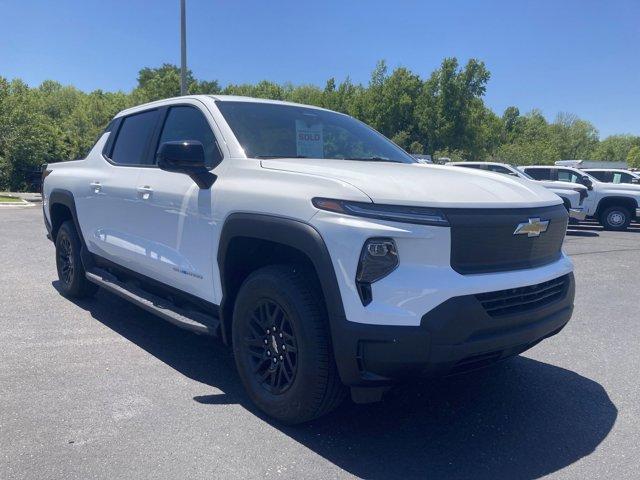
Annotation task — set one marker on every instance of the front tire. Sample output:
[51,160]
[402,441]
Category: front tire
[282,345]
[71,273]
[615,218]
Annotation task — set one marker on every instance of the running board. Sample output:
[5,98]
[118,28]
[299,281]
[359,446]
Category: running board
[188,319]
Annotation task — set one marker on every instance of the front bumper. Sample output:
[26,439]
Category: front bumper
[577,214]
[457,336]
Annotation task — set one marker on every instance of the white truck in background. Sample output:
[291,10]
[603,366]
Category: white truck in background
[614,175]
[613,205]
[572,194]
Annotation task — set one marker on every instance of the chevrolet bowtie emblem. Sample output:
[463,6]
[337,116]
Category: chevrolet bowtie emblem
[533,228]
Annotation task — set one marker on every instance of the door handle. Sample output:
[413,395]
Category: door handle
[96,186]
[145,191]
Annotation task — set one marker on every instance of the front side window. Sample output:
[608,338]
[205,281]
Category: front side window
[266,130]
[188,123]
[133,138]
[621,177]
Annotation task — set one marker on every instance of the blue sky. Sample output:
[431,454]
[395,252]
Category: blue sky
[571,56]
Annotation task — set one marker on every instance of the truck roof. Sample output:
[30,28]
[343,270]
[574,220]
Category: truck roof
[218,98]
[621,170]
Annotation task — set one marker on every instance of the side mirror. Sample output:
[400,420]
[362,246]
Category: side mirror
[586,181]
[187,157]
[635,180]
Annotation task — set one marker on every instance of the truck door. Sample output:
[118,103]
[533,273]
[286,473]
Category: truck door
[109,209]
[177,215]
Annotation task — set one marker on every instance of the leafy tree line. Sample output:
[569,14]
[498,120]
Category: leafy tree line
[443,115]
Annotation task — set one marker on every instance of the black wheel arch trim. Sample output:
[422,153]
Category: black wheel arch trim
[291,233]
[617,200]
[59,196]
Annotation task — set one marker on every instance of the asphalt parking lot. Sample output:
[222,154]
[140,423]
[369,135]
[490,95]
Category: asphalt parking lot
[102,389]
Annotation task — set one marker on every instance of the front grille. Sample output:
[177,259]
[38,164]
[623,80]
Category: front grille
[517,300]
[483,240]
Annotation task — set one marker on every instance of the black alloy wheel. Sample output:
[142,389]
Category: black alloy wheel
[282,344]
[71,273]
[272,347]
[65,260]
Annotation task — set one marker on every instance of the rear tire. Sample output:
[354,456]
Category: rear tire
[289,372]
[71,273]
[615,218]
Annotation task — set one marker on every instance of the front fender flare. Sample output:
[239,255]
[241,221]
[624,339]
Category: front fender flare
[292,233]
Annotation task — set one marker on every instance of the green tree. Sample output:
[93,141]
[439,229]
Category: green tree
[574,138]
[450,105]
[633,158]
[443,115]
[615,148]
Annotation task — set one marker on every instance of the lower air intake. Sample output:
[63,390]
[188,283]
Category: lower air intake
[517,300]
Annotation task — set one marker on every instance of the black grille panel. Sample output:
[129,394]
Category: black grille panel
[517,300]
[483,240]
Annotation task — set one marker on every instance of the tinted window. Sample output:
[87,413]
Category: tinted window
[539,173]
[500,169]
[620,177]
[476,166]
[188,123]
[522,173]
[266,130]
[602,176]
[133,138]
[568,176]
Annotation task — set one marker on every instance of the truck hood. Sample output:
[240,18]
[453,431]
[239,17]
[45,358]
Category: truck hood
[561,185]
[424,185]
[618,188]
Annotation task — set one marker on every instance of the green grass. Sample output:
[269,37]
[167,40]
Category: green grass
[5,199]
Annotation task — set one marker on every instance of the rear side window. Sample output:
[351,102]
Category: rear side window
[475,166]
[130,147]
[539,173]
[188,123]
[602,176]
[568,176]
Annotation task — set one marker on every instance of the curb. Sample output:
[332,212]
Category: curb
[28,197]
[23,202]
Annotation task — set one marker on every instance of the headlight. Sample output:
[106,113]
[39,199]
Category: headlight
[378,258]
[394,213]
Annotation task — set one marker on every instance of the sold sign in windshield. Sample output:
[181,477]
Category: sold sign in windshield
[309,141]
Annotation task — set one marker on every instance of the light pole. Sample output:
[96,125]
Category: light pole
[183,48]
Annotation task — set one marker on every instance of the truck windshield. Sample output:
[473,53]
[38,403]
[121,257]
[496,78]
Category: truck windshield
[267,130]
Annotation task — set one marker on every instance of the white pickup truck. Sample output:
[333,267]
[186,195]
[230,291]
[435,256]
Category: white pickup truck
[614,175]
[614,205]
[572,194]
[325,255]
